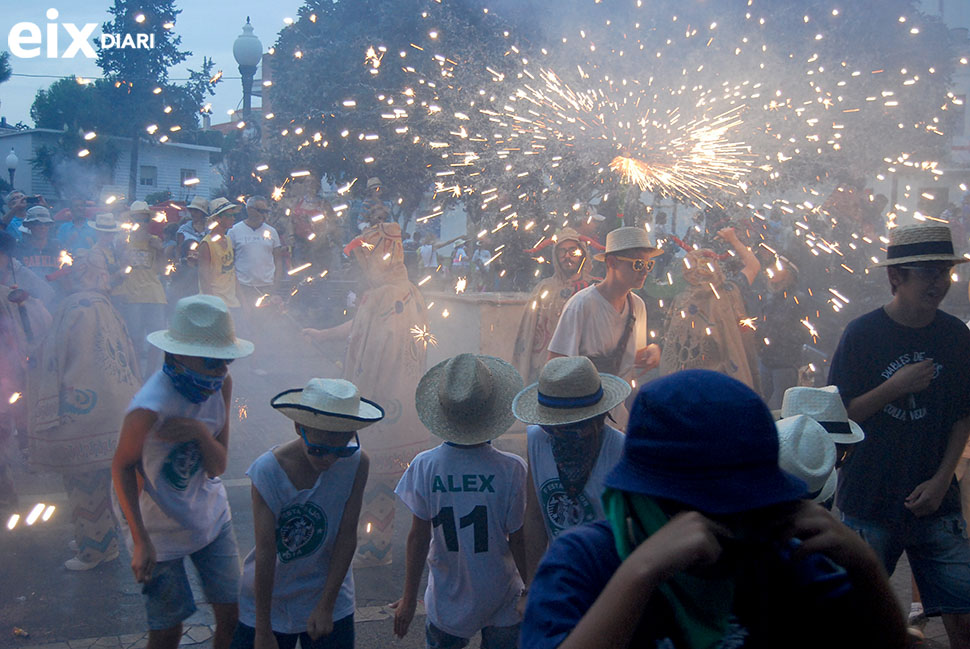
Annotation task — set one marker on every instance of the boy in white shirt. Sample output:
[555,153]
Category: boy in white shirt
[468,501]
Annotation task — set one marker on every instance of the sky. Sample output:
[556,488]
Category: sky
[207,27]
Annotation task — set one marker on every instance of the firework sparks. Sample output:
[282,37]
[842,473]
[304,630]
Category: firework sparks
[65,259]
[460,285]
[423,336]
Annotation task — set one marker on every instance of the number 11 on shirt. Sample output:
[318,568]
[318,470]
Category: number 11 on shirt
[477,518]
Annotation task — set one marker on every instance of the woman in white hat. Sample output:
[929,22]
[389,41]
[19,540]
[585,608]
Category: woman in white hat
[307,496]
[173,446]
[106,249]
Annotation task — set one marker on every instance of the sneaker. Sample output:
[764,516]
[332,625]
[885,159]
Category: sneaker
[72,546]
[77,564]
[916,618]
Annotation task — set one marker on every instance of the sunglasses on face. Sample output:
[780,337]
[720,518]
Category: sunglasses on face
[320,450]
[639,265]
[929,273]
[216,363]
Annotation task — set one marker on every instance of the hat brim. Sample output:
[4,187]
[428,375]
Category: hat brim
[828,490]
[225,208]
[288,404]
[526,406]
[116,228]
[164,341]
[956,259]
[466,430]
[651,252]
[707,489]
[855,435]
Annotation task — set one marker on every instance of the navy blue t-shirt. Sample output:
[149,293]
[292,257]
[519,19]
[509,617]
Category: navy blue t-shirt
[905,441]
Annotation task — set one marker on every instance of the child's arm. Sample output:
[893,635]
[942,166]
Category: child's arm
[419,540]
[534,530]
[215,450]
[264,523]
[344,547]
[124,466]
[517,547]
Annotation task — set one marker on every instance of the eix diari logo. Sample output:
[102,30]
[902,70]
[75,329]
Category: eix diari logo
[25,39]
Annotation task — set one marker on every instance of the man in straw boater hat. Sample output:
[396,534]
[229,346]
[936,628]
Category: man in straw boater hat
[707,542]
[468,501]
[173,446]
[217,261]
[608,323]
[570,448]
[307,495]
[903,372]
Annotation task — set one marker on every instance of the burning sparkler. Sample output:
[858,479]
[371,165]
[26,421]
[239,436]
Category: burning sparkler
[423,336]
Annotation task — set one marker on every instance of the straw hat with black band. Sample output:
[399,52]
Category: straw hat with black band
[332,405]
[569,390]
[467,399]
[920,242]
[628,238]
[825,406]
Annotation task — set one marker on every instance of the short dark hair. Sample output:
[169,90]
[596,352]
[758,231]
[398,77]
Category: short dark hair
[903,276]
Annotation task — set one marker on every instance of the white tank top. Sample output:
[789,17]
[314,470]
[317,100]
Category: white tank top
[183,508]
[306,529]
[559,511]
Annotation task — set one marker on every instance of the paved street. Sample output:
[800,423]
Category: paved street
[103,607]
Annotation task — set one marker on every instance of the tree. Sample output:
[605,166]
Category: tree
[5,70]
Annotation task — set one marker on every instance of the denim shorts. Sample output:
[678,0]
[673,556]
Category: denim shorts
[342,637]
[168,595]
[938,553]
[493,637]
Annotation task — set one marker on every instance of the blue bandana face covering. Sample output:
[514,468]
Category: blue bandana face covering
[192,385]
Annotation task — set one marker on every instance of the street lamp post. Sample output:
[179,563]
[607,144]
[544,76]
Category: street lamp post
[247,50]
[12,162]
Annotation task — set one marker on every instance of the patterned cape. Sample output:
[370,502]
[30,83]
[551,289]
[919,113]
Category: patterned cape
[80,386]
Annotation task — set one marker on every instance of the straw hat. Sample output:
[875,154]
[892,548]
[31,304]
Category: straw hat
[200,204]
[806,452]
[622,239]
[328,404]
[919,242]
[201,326]
[218,206]
[105,223]
[467,399]
[569,390]
[825,406]
[139,207]
[373,182]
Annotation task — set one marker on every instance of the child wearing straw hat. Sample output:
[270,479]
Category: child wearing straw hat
[307,494]
[173,446]
[571,448]
[468,501]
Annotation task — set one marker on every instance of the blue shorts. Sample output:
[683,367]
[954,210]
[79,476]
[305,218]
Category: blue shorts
[938,552]
[168,595]
[493,637]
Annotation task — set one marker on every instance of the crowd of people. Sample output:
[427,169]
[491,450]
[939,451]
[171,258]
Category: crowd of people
[678,479]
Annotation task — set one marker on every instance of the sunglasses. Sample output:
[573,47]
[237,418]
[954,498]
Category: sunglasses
[638,264]
[929,273]
[216,363]
[319,450]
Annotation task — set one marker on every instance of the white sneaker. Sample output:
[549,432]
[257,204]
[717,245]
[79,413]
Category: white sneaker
[72,546]
[77,564]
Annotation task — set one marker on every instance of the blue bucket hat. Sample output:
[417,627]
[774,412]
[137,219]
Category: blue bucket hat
[705,440]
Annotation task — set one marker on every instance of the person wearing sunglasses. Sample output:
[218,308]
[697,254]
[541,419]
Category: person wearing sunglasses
[174,445]
[608,322]
[307,496]
[903,371]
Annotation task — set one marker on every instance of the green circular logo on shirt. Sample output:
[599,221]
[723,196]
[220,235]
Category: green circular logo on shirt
[182,463]
[560,510]
[300,531]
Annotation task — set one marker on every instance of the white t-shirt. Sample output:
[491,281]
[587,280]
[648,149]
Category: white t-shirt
[559,512]
[253,250]
[307,522]
[590,326]
[183,508]
[429,256]
[475,498]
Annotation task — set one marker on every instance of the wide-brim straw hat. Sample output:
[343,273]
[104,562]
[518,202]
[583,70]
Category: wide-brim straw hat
[628,238]
[920,242]
[38,214]
[201,326]
[825,406]
[139,207]
[329,405]
[105,222]
[200,204]
[806,452]
[374,182]
[467,399]
[569,390]
[219,206]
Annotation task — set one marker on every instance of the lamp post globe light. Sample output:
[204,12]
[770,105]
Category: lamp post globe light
[247,50]
[12,162]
